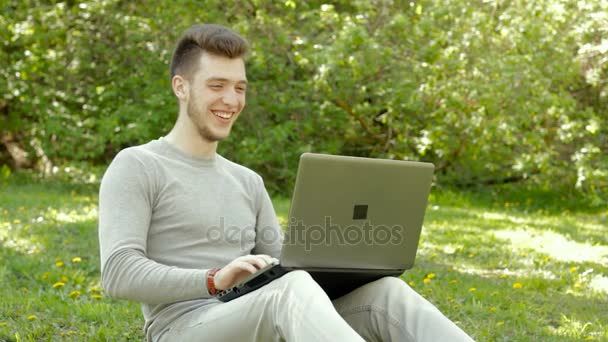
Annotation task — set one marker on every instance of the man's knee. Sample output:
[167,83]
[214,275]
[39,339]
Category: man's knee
[390,284]
[398,292]
[297,280]
[296,277]
[393,290]
[296,289]
[299,284]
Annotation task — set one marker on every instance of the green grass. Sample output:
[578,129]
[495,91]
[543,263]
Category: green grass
[506,264]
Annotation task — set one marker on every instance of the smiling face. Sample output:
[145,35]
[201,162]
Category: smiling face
[216,96]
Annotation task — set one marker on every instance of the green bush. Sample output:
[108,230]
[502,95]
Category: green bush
[490,92]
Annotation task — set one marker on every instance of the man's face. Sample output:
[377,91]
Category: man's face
[217,95]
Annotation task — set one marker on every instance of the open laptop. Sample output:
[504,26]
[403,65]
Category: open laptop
[352,220]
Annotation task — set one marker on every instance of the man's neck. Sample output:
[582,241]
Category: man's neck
[187,139]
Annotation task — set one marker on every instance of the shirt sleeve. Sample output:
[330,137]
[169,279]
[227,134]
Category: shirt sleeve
[126,200]
[269,236]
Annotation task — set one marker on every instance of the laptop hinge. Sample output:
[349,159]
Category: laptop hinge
[348,270]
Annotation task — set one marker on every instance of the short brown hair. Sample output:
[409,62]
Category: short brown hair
[210,38]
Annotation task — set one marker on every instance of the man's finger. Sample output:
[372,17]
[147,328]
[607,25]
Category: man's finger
[259,262]
[246,266]
[267,258]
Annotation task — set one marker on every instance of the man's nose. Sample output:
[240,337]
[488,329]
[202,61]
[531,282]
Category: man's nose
[230,97]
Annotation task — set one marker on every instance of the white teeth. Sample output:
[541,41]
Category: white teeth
[223,115]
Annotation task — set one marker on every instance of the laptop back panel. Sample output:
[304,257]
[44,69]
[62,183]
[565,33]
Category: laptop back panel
[356,213]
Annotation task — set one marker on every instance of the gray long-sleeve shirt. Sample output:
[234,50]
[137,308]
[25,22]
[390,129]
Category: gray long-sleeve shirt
[165,218]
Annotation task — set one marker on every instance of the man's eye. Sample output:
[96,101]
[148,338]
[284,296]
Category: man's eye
[216,86]
[241,89]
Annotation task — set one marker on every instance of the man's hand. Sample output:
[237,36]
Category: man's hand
[239,268]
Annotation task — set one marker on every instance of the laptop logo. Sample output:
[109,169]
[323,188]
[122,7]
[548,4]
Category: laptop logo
[360,212]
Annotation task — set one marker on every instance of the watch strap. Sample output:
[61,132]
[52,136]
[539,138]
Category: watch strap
[211,281]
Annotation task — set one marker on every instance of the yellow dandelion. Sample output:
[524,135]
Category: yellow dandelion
[453,281]
[58,284]
[492,309]
[76,259]
[74,294]
[589,338]
[471,255]
[431,275]
[16,221]
[59,263]
[517,285]
[97,289]
[500,323]
[96,296]
[46,275]
[502,276]
[32,317]
[426,280]
[64,279]
[21,208]
[472,289]
[573,269]
[412,284]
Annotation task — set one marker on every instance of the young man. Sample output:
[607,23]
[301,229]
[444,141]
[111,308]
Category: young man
[178,222]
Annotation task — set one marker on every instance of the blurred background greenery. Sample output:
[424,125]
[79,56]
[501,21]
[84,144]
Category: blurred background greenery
[490,91]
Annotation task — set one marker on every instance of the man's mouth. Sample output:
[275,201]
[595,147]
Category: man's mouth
[223,114]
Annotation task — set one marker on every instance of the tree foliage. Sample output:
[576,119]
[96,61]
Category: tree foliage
[489,91]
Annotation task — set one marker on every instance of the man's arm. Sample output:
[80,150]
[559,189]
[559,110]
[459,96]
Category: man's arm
[269,236]
[126,200]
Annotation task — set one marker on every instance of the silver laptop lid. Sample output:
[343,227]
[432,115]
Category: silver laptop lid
[356,213]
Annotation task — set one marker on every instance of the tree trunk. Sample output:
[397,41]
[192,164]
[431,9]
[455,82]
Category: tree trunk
[19,158]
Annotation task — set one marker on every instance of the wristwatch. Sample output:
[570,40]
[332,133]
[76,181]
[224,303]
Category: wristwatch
[211,281]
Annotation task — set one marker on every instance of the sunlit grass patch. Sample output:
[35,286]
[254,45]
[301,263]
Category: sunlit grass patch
[50,286]
[517,269]
[533,266]
[513,269]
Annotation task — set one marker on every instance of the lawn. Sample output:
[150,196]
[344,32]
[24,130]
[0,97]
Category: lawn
[507,264]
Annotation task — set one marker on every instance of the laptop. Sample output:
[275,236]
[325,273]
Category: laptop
[352,220]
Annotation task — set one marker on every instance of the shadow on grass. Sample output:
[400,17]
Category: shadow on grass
[521,198]
[579,228]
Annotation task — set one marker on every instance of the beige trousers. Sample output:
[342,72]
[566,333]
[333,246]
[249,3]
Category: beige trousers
[295,308]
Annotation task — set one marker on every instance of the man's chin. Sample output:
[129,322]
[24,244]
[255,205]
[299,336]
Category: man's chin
[210,137]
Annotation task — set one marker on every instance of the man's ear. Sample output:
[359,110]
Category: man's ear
[180,87]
